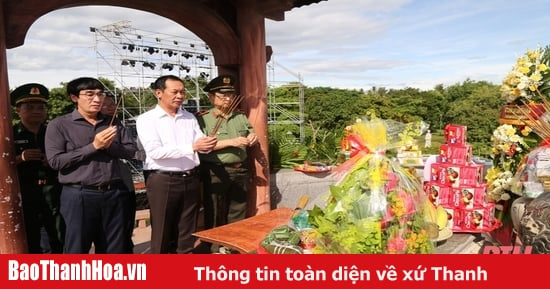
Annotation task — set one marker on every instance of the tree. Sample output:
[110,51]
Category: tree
[479,111]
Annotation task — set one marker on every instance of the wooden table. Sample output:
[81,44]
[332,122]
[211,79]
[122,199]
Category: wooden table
[245,235]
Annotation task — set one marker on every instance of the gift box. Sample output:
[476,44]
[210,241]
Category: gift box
[479,219]
[436,172]
[455,134]
[438,194]
[460,154]
[469,197]
[455,219]
[459,175]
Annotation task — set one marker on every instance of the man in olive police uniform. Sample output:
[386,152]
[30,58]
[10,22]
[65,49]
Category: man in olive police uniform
[40,189]
[224,171]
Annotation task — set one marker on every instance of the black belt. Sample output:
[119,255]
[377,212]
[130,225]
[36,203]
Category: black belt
[100,188]
[185,174]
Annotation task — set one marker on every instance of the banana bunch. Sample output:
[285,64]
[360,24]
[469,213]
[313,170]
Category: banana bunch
[435,218]
[437,215]
[441,217]
[429,211]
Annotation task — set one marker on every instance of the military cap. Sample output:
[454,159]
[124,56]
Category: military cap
[29,92]
[222,83]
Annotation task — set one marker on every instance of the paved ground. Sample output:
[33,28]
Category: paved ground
[141,239]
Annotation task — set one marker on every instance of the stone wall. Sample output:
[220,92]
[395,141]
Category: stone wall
[287,186]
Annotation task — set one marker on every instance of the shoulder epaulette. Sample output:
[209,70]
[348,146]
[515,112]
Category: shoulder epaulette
[201,112]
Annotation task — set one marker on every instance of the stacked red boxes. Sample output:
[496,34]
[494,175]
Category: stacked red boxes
[456,183]
[455,134]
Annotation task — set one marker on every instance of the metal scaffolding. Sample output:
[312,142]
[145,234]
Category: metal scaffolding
[284,111]
[134,58]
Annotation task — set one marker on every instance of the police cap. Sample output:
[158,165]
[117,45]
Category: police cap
[222,83]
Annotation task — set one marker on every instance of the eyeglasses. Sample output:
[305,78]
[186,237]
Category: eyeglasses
[90,94]
[225,94]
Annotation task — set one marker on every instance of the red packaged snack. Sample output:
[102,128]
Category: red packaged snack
[438,194]
[469,197]
[436,172]
[455,134]
[460,175]
[479,219]
[455,154]
[455,219]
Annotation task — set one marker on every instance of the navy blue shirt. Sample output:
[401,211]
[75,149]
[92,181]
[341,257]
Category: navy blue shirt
[69,150]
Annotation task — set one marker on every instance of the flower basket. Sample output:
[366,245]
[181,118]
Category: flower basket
[376,206]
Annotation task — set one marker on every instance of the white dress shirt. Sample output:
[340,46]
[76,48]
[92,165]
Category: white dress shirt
[168,141]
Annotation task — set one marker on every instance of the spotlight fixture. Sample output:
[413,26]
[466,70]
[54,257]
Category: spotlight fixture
[151,50]
[192,45]
[92,29]
[186,68]
[202,57]
[186,55]
[168,66]
[175,42]
[204,74]
[131,47]
[139,37]
[149,64]
[126,62]
[157,39]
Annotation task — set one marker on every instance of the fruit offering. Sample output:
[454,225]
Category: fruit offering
[376,206]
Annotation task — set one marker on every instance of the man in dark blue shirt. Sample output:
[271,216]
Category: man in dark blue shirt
[85,147]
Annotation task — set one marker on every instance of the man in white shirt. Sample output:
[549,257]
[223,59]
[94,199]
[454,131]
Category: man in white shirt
[172,138]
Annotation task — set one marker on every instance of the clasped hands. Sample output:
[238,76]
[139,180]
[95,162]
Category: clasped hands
[104,138]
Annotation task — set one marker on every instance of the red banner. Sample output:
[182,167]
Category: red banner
[271,271]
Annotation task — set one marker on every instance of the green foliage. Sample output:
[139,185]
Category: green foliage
[333,109]
[286,152]
[59,103]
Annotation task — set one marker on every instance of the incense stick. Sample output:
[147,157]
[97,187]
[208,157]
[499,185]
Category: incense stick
[536,118]
[225,112]
[116,110]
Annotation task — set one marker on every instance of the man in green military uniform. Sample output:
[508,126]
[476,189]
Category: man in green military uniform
[224,171]
[40,189]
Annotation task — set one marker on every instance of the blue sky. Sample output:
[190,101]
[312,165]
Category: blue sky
[354,44]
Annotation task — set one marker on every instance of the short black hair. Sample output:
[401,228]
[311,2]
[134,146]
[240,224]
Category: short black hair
[160,83]
[82,83]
